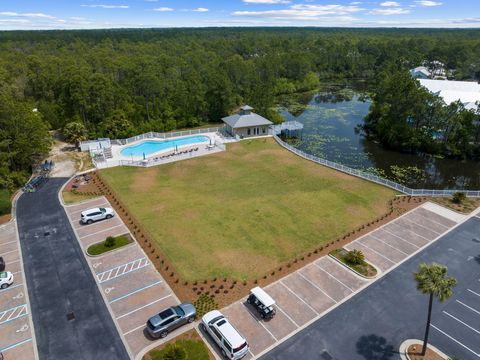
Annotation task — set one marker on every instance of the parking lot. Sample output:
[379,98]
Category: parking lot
[131,286]
[307,294]
[16,340]
[373,324]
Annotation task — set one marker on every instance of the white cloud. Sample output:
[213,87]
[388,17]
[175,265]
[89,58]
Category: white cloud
[266,1]
[302,12]
[200,9]
[396,11]
[390,3]
[428,3]
[356,3]
[163,9]
[105,6]
[29,15]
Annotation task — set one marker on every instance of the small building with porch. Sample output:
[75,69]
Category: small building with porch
[246,123]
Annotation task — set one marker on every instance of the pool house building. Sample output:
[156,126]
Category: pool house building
[246,123]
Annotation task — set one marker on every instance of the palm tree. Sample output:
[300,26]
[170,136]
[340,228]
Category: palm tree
[433,280]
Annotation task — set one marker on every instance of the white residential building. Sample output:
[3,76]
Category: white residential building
[468,92]
[421,72]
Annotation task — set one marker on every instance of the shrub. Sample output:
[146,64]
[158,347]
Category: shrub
[110,241]
[355,257]
[458,197]
[175,352]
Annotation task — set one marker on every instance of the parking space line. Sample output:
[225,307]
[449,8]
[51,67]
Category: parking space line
[383,229]
[326,272]
[104,204]
[260,322]
[284,313]
[14,261]
[411,231]
[469,307]
[127,268]
[376,252]
[9,347]
[473,292]
[461,322]
[389,245]
[9,252]
[135,291]
[11,287]
[130,331]
[98,232]
[10,242]
[144,306]
[453,339]
[298,297]
[13,314]
[316,287]
[436,222]
[423,226]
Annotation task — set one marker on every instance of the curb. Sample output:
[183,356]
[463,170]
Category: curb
[379,272]
[110,251]
[406,344]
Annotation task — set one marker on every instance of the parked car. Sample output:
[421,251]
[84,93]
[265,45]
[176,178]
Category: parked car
[2,264]
[158,326]
[262,302]
[6,279]
[231,343]
[96,214]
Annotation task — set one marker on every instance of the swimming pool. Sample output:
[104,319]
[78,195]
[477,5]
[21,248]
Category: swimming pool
[150,147]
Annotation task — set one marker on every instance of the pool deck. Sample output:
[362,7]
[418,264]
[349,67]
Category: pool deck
[217,144]
[117,149]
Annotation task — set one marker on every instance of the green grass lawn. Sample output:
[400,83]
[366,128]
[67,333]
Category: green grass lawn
[242,212]
[5,203]
[194,350]
[100,248]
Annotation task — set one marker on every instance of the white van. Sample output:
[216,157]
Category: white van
[231,343]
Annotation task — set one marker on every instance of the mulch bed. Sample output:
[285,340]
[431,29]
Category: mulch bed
[5,218]
[415,350]
[225,291]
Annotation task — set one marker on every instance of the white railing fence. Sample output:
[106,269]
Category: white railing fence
[374,178]
[157,135]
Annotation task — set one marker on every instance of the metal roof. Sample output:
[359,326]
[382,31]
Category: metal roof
[245,120]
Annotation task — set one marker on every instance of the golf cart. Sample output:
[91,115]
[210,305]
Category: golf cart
[261,301]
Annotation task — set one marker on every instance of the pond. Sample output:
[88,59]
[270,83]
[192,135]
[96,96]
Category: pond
[331,117]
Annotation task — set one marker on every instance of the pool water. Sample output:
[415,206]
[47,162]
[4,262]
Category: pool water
[150,147]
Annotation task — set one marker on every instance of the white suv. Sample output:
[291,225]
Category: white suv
[91,215]
[6,279]
[231,343]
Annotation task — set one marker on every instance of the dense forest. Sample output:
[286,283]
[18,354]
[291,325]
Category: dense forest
[121,82]
[404,116]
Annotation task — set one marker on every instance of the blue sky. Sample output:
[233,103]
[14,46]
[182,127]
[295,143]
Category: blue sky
[88,14]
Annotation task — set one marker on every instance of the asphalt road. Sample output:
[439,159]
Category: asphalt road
[60,282]
[374,323]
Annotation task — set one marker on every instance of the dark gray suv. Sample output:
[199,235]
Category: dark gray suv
[158,326]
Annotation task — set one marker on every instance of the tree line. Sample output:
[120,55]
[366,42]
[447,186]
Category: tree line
[404,116]
[118,83]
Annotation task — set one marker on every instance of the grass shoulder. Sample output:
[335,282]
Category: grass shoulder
[5,202]
[465,206]
[110,243]
[355,260]
[186,346]
[71,197]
